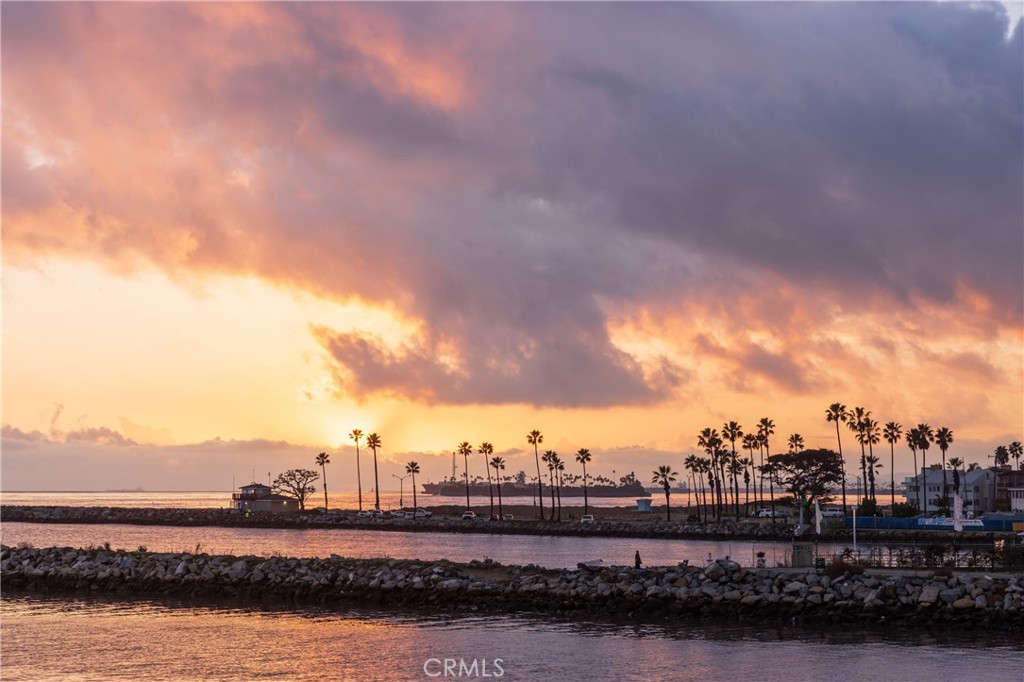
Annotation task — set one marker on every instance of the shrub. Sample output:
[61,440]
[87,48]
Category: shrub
[838,568]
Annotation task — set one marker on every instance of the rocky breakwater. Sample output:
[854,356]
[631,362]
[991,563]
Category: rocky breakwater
[721,590]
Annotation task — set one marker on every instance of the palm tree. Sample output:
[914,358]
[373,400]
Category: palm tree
[874,465]
[486,449]
[465,449]
[973,466]
[373,440]
[323,459]
[665,477]
[943,438]
[533,438]
[690,464]
[892,433]
[872,434]
[913,437]
[796,442]
[1001,456]
[549,458]
[733,431]
[1016,450]
[855,420]
[925,437]
[499,465]
[710,441]
[356,435]
[745,464]
[836,412]
[765,429]
[583,457]
[412,468]
[956,463]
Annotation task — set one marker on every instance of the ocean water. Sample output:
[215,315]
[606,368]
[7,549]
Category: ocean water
[389,499]
[105,639]
[548,551]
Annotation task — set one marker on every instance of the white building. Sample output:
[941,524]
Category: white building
[259,497]
[1016,499]
[976,487]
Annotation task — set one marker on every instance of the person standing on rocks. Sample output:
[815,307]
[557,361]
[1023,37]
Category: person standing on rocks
[637,559]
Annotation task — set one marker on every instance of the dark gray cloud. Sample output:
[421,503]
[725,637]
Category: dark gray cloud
[600,158]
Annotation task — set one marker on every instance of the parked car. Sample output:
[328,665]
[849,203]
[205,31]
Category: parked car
[587,518]
[376,514]
[363,514]
[767,514]
[468,515]
[832,513]
[423,514]
[508,517]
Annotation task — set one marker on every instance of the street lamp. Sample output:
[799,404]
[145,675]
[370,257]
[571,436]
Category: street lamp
[401,490]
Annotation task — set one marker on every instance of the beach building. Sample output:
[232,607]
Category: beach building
[976,487]
[259,497]
[983,490]
[1016,499]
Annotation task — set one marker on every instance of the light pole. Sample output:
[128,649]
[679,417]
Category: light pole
[401,490]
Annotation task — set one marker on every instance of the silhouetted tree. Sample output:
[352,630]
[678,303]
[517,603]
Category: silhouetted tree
[534,438]
[373,442]
[583,457]
[943,438]
[297,483]
[356,435]
[809,474]
[892,433]
[412,468]
[465,449]
[486,449]
[499,465]
[323,459]
[665,477]
[837,413]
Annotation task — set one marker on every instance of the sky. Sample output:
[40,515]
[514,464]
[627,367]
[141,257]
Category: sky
[232,232]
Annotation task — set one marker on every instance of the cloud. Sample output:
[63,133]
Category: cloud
[511,189]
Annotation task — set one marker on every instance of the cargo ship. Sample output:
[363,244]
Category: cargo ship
[457,488]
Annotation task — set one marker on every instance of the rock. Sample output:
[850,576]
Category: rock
[929,594]
[963,603]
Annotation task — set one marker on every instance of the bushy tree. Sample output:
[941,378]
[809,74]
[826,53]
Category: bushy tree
[808,474]
[297,483]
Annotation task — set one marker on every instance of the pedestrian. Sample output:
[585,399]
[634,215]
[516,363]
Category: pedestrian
[637,559]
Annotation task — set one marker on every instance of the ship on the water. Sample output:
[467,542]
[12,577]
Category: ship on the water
[628,486]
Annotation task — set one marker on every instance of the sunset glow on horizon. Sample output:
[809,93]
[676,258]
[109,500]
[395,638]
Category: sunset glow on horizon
[232,233]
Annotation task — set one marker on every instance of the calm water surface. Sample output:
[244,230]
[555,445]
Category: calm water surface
[551,552]
[82,640]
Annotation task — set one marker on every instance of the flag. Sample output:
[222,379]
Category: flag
[817,518]
[958,512]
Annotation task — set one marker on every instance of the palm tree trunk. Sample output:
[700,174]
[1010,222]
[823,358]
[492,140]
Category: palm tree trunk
[490,488]
[863,470]
[359,478]
[842,465]
[466,457]
[540,485]
[559,495]
[376,479]
[323,468]
[585,499]
[892,474]
[501,511]
[414,505]
[551,477]
[917,474]
[668,506]
[943,472]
